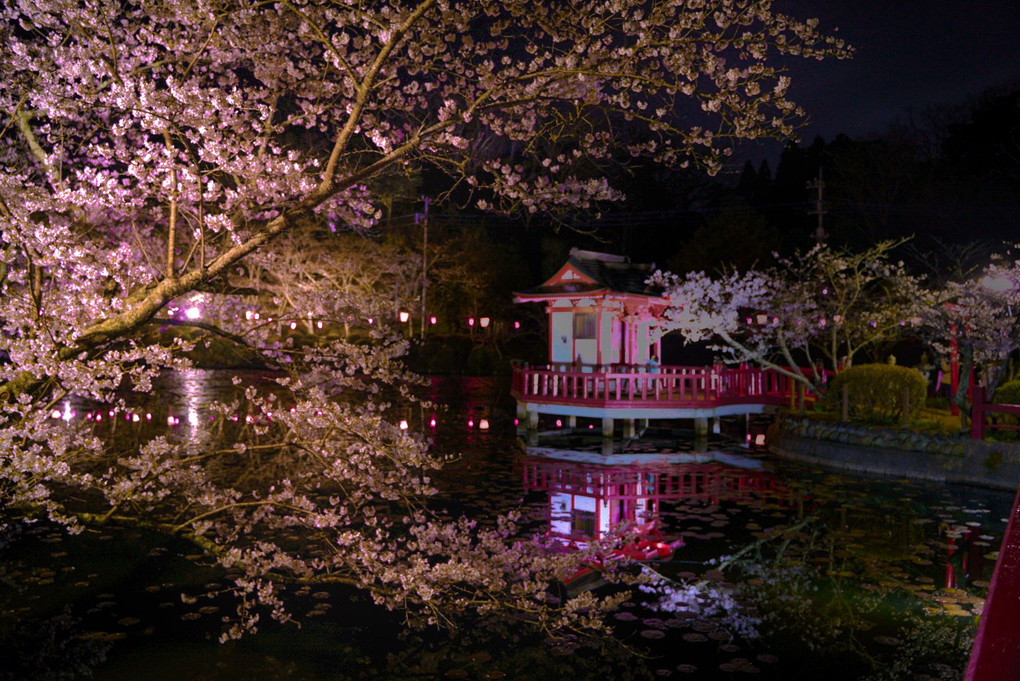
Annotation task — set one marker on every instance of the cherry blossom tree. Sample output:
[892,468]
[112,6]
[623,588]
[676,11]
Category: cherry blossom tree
[974,317]
[149,149]
[818,310]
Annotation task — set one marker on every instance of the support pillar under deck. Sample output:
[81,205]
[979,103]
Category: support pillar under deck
[607,434]
[533,428]
[700,434]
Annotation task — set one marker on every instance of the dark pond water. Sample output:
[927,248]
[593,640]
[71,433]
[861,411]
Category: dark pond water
[786,572]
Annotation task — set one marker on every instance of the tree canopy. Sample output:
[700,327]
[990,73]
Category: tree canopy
[149,149]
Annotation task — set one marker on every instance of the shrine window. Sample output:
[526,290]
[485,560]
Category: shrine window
[584,325]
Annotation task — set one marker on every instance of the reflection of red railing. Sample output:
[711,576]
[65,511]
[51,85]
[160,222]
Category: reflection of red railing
[622,386]
[710,482]
[996,652]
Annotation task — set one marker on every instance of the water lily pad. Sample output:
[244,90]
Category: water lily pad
[653,633]
[887,640]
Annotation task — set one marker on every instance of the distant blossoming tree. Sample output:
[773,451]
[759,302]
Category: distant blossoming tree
[149,148]
[974,317]
[818,310]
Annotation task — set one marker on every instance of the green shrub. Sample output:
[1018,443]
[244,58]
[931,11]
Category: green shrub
[1007,393]
[875,391]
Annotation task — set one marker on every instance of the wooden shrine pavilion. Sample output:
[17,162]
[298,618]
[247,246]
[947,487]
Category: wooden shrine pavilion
[605,333]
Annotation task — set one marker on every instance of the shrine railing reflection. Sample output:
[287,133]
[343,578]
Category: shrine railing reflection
[589,499]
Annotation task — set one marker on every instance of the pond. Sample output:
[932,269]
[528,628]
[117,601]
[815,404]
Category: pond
[785,572]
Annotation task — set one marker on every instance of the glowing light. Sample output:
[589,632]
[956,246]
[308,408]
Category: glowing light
[371,321]
[432,422]
[471,423]
[471,321]
[318,325]
[148,416]
[759,440]
[517,422]
[169,420]
[55,414]
[293,325]
[255,316]
[762,319]
[193,313]
[404,316]
[248,314]
[192,417]
[591,426]
[135,418]
[433,320]
[999,284]
[559,423]
[99,417]
[484,322]
[403,424]
[483,424]
[517,325]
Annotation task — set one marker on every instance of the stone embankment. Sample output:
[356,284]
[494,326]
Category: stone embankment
[898,452]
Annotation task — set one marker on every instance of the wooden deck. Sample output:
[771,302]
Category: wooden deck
[624,390]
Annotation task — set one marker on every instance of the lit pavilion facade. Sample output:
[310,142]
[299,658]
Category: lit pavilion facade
[601,312]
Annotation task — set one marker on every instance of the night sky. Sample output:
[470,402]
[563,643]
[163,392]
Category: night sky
[909,54]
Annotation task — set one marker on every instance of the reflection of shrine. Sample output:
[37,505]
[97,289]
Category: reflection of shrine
[588,499]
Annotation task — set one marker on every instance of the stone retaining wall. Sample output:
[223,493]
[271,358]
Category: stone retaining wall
[898,452]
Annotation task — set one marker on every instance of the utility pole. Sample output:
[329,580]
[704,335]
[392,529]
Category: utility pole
[819,184]
[424,219]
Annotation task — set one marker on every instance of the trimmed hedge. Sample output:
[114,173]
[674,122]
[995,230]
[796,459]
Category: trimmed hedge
[875,391]
[1007,393]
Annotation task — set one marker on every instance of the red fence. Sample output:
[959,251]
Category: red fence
[983,415]
[996,652]
[668,386]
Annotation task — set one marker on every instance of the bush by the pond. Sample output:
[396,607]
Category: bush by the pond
[1007,393]
[875,391]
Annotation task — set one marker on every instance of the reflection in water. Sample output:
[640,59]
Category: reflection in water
[589,497]
[817,562]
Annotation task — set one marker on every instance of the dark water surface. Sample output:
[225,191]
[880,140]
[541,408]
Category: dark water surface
[787,572]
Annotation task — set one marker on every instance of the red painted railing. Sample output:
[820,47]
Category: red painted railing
[980,411]
[996,652]
[623,386]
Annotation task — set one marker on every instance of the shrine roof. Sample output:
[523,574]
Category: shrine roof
[591,272]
